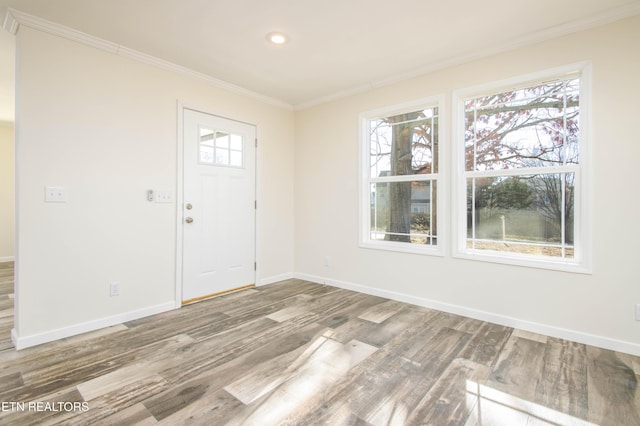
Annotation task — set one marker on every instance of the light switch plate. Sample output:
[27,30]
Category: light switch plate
[164,197]
[55,194]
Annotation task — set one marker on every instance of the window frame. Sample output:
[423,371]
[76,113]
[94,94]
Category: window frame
[581,262]
[365,179]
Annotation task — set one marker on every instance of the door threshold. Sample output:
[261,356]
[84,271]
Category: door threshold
[221,293]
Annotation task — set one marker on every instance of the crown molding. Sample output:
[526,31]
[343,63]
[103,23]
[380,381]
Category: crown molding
[15,18]
[9,23]
[584,24]
[593,21]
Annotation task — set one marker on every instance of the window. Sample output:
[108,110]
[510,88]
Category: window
[522,193]
[220,148]
[400,178]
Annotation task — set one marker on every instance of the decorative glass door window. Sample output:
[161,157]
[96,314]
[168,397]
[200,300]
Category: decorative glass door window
[220,148]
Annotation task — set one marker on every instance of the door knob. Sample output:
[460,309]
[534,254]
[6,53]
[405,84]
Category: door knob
[188,219]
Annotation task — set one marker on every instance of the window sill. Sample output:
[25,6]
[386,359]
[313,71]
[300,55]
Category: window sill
[403,247]
[538,262]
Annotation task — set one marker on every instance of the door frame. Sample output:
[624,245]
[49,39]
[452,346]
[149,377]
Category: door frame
[180,108]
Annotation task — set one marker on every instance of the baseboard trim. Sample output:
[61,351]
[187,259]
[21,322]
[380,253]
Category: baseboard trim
[275,279]
[7,259]
[561,333]
[22,342]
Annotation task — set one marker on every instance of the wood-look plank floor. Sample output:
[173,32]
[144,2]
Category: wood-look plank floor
[298,353]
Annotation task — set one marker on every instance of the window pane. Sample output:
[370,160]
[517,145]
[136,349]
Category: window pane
[403,212]
[404,144]
[528,214]
[532,127]
[236,142]
[222,140]
[222,156]
[236,158]
[205,154]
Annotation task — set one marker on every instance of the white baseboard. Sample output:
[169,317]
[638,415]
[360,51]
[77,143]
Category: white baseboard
[561,333]
[22,342]
[7,259]
[275,279]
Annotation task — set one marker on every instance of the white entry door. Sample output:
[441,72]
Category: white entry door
[218,251]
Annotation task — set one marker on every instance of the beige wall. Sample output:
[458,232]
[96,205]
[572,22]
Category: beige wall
[105,128]
[6,193]
[596,308]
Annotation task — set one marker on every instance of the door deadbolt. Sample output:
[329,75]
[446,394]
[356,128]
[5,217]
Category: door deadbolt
[188,206]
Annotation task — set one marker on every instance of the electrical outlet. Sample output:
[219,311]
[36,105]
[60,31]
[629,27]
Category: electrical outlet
[638,312]
[327,261]
[114,289]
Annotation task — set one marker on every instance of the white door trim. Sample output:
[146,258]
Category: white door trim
[180,107]
[179,201]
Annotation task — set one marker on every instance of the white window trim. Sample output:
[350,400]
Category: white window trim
[365,179]
[582,263]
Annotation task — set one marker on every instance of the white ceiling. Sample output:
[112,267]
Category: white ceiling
[336,46]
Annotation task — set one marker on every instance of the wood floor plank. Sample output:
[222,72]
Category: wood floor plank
[336,301]
[279,293]
[191,390]
[136,415]
[519,368]
[6,306]
[523,334]
[403,391]
[11,381]
[265,377]
[382,311]
[44,380]
[288,313]
[6,287]
[135,372]
[612,389]
[214,328]
[220,349]
[352,310]
[184,398]
[452,397]
[212,409]
[117,400]
[39,416]
[380,334]
[563,383]
[391,367]
[317,369]
[266,366]
[491,412]
[486,344]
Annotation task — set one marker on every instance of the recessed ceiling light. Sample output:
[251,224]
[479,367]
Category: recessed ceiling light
[277,38]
